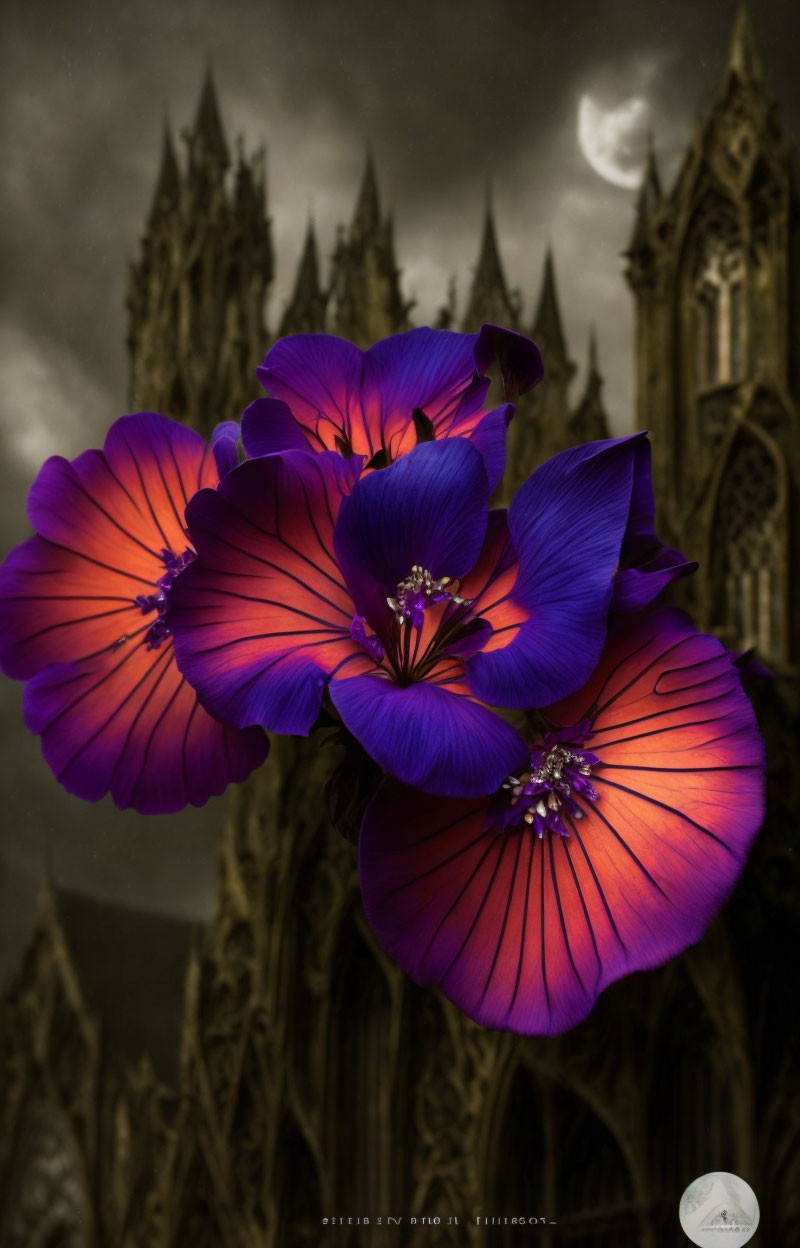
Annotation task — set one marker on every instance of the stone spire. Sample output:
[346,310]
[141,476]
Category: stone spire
[489,298]
[547,331]
[367,301]
[168,182]
[589,421]
[744,58]
[305,312]
[208,136]
[648,202]
[196,293]
[367,214]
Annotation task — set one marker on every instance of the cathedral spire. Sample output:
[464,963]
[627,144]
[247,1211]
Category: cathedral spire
[744,58]
[489,298]
[168,182]
[489,271]
[305,312]
[589,422]
[648,202]
[547,329]
[209,135]
[367,215]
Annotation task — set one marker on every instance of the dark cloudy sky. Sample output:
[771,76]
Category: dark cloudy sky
[447,92]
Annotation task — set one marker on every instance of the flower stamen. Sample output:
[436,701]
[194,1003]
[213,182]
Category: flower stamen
[174,564]
[542,795]
[418,591]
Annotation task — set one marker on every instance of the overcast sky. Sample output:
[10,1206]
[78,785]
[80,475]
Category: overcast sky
[447,93]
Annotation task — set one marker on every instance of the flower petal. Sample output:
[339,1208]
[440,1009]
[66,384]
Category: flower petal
[373,403]
[524,933]
[268,427]
[488,435]
[262,616]
[429,508]
[646,565]
[126,722]
[225,445]
[567,523]
[319,377]
[426,369]
[520,360]
[430,736]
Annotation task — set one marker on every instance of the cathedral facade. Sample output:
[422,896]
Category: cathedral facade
[315,1091]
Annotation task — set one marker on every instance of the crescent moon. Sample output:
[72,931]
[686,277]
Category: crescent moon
[609,139]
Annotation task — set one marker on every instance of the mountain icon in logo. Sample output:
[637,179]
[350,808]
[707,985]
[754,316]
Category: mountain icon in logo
[719,1208]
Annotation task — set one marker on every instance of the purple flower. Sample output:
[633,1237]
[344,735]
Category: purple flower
[379,404]
[401,592]
[609,850]
[84,621]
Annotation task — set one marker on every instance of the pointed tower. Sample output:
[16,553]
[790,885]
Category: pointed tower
[648,203]
[367,301]
[540,426]
[367,216]
[589,421]
[305,311]
[547,331]
[489,298]
[166,196]
[716,280]
[196,293]
[208,144]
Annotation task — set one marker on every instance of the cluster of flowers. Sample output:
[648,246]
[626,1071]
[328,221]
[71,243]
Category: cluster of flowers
[175,603]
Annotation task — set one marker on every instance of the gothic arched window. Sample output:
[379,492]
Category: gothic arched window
[718,301]
[749,551]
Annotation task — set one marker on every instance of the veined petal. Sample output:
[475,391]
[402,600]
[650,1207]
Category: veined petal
[419,385]
[428,509]
[523,933]
[262,616]
[319,377]
[103,522]
[487,434]
[128,724]
[269,427]
[430,734]
[567,524]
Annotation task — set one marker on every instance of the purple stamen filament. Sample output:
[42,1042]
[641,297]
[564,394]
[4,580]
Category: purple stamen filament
[401,646]
[541,796]
[174,564]
[418,591]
